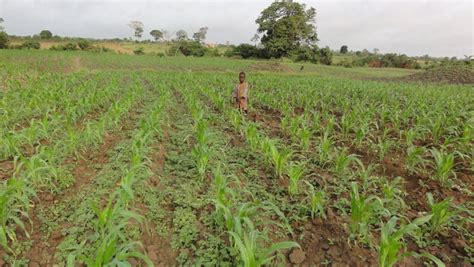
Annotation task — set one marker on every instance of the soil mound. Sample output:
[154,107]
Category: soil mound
[446,74]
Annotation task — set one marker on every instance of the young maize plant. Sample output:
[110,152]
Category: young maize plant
[295,172]
[444,164]
[113,247]
[14,204]
[383,146]
[392,247]
[316,201]
[364,210]
[342,162]
[249,242]
[279,159]
[324,150]
[201,150]
[252,136]
[414,159]
[266,145]
[442,214]
[366,174]
[393,195]
[361,134]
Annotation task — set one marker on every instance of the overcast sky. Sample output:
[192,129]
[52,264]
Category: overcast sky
[437,28]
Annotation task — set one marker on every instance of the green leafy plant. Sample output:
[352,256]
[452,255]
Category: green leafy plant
[444,164]
[279,159]
[316,201]
[363,212]
[252,253]
[392,247]
[14,204]
[414,158]
[295,172]
[441,214]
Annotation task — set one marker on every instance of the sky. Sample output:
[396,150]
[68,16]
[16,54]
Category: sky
[417,27]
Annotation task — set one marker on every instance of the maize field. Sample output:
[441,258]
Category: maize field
[120,160]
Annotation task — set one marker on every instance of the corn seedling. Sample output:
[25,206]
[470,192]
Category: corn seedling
[442,214]
[324,149]
[316,201]
[444,164]
[295,173]
[363,213]
[248,241]
[279,159]
[342,162]
[414,158]
[392,247]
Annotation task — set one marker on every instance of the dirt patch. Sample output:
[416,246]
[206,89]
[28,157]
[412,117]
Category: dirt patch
[6,169]
[270,67]
[325,241]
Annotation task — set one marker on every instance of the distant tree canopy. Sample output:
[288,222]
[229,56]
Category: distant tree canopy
[344,49]
[156,34]
[187,48]
[200,35]
[286,26]
[181,35]
[1,27]
[4,40]
[46,34]
[137,27]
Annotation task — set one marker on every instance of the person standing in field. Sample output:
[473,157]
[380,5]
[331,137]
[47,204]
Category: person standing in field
[240,94]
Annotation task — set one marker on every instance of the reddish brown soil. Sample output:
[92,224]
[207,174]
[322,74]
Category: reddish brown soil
[326,240]
[6,168]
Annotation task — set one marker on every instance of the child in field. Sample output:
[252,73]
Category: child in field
[240,94]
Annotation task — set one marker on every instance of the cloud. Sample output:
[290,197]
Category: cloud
[438,28]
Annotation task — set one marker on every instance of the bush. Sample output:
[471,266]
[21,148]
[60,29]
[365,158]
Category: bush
[325,56]
[213,52]
[30,44]
[139,51]
[160,54]
[84,44]
[305,53]
[4,40]
[66,47]
[246,51]
[187,48]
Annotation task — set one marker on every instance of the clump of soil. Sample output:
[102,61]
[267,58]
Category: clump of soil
[445,74]
[270,66]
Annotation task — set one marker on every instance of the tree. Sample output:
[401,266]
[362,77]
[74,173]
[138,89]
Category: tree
[255,39]
[344,49]
[287,25]
[200,35]
[325,55]
[4,40]
[46,34]
[1,27]
[156,34]
[137,26]
[376,51]
[181,35]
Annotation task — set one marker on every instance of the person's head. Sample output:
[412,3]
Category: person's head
[241,77]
